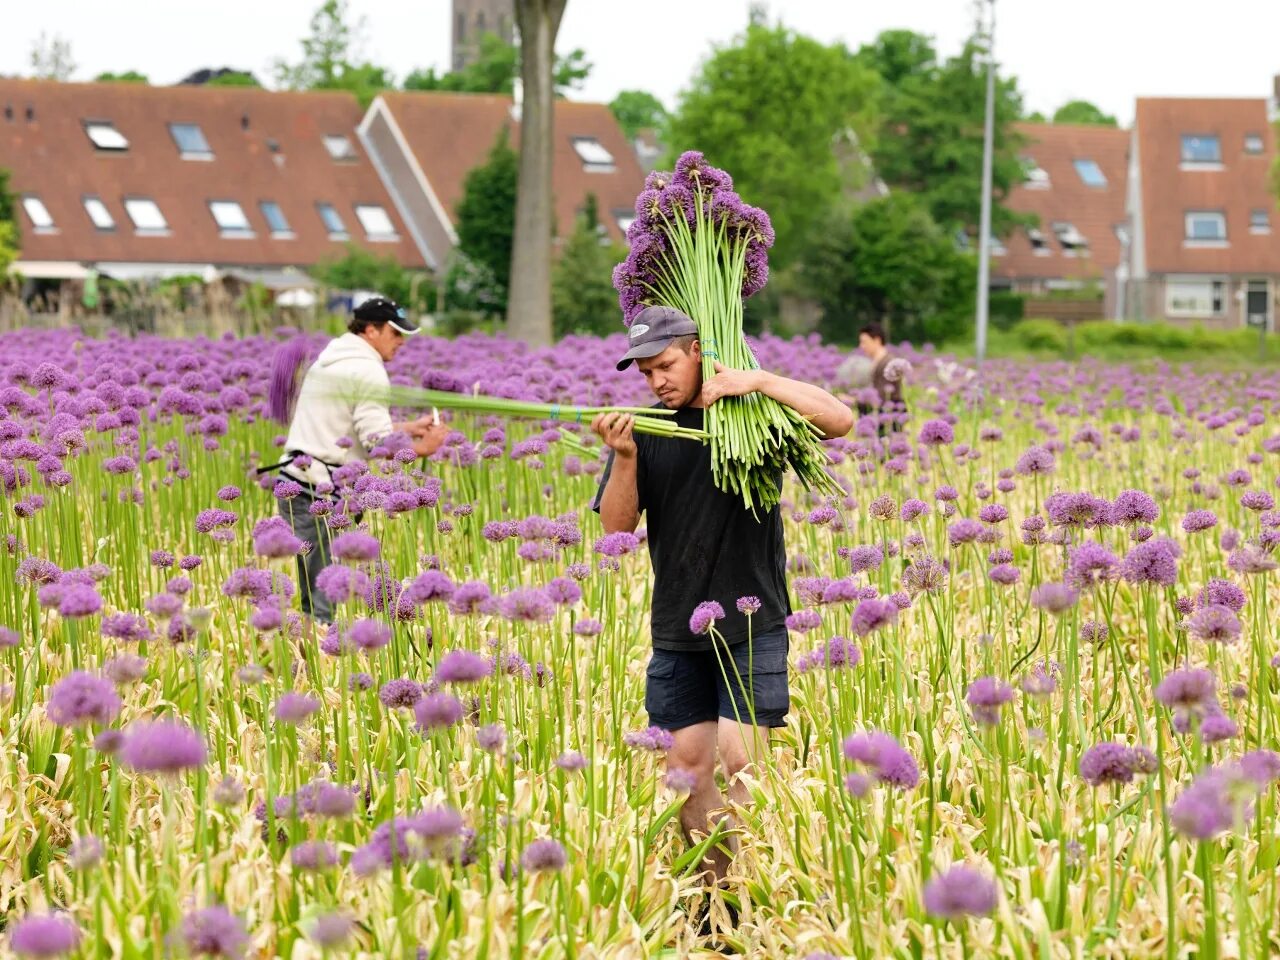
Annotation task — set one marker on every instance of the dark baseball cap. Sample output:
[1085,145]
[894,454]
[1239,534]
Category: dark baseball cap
[382,310]
[653,330]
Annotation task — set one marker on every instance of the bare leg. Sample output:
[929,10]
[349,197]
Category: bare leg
[741,746]
[695,751]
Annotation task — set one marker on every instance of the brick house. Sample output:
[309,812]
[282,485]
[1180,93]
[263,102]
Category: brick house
[1201,206]
[1075,184]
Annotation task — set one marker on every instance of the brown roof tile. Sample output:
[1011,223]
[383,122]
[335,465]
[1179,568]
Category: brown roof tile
[52,157]
[1240,186]
[1093,211]
[450,133]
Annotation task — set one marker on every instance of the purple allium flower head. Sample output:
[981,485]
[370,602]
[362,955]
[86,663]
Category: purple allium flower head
[1041,680]
[437,711]
[924,575]
[704,616]
[330,930]
[1005,574]
[993,513]
[1261,766]
[864,558]
[963,531]
[355,546]
[1257,501]
[1153,562]
[872,615]
[748,605]
[1214,801]
[1131,507]
[1222,593]
[1036,460]
[1076,509]
[228,792]
[294,707]
[369,634]
[889,762]
[936,433]
[1214,623]
[274,538]
[214,932]
[84,852]
[44,935]
[430,586]
[313,855]
[1197,520]
[654,738]
[1054,598]
[985,696]
[400,693]
[1107,763]
[80,698]
[588,628]
[563,592]
[491,737]
[1251,559]
[1191,688]
[462,666]
[571,761]
[527,604]
[911,509]
[340,583]
[162,746]
[109,742]
[802,621]
[1217,727]
[79,600]
[681,780]
[165,605]
[960,892]
[617,544]
[543,855]
[229,493]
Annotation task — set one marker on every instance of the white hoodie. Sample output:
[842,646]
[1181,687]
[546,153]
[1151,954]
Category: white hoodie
[343,395]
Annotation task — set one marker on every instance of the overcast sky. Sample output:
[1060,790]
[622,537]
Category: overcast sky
[1107,51]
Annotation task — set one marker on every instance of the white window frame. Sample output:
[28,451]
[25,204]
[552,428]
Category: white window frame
[1185,164]
[1251,138]
[140,208]
[105,137]
[39,215]
[624,221]
[371,217]
[1039,242]
[206,154]
[1073,242]
[1034,176]
[1259,225]
[1096,166]
[284,234]
[233,223]
[1212,292]
[1190,240]
[342,234]
[102,219]
[592,161]
[347,154]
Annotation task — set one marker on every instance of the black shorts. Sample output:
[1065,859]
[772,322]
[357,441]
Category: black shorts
[747,680]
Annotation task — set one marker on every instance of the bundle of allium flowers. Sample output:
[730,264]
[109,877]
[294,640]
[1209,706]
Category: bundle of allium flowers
[697,247]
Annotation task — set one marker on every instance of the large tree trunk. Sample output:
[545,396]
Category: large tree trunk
[529,293]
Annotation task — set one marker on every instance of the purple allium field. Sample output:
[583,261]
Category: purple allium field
[1034,675]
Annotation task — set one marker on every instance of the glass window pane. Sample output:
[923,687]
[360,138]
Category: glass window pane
[333,223]
[229,216]
[106,137]
[99,214]
[375,221]
[592,153]
[274,216]
[145,215]
[1253,143]
[1091,173]
[1201,149]
[1259,220]
[1206,226]
[38,212]
[339,146]
[190,140]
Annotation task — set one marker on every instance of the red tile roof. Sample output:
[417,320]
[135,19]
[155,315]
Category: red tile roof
[1093,211]
[1240,185]
[52,157]
[449,133]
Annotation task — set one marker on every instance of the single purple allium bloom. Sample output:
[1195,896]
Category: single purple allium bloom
[312,855]
[985,696]
[571,761]
[654,738]
[1054,598]
[491,737]
[960,892]
[872,615]
[162,746]
[936,433]
[214,932]
[1191,688]
[437,711]
[1214,623]
[84,852]
[462,666]
[748,605]
[400,693]
[543,855]
[294,707]
[1107,763]
[704,616]
[889,762]
[330,930]
[80,699]
[44,935]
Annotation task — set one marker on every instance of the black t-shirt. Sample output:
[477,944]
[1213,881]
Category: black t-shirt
[704,543]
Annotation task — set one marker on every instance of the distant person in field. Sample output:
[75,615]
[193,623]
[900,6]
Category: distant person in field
[884,377]
[340,414]
[705,545]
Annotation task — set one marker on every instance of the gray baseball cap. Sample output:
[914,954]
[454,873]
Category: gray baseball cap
[653,330]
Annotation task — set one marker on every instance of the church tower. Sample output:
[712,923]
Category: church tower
[471,18]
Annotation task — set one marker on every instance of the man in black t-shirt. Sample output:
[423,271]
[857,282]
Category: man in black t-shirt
[705,545]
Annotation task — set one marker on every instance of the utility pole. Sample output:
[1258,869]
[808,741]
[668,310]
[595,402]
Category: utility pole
[988,143]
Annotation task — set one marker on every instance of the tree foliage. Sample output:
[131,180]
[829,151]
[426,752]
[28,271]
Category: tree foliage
[234,78]
[771,108]
[1082,111]
[358,269]
[327,58]
[128,76]
[10,239]
[50,58]
[486,224]
[931,125]
[494,69]
[637,110]
[582,296]
[888,261]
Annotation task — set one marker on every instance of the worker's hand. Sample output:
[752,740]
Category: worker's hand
[615,430]
[416,428]
[729,383]
[430,439]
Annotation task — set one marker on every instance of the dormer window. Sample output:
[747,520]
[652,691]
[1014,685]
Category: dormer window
[230,218]
[340,147]
[1072,240]
[1090,173]
[190,141]
[595,158]
[105,136]
[38,214]
[1201,150]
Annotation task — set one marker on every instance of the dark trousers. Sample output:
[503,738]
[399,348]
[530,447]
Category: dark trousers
[315,532]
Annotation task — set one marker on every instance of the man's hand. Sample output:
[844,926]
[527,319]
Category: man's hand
[430,436]
[729,383]
[416,428]
[615,430]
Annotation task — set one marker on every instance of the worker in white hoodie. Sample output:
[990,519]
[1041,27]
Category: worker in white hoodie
[340,415]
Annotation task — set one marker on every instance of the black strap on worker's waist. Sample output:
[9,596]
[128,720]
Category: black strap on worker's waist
[292,455]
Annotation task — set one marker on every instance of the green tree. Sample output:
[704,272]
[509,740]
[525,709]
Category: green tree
[128,76]
[582,296]
[10,239]
[234,78]
[778,111]
[358,269]
[494,68]
[486,225]
[326,58]
[888,261]
[637,110]
[51,58]
[930,136]
[1082,111]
